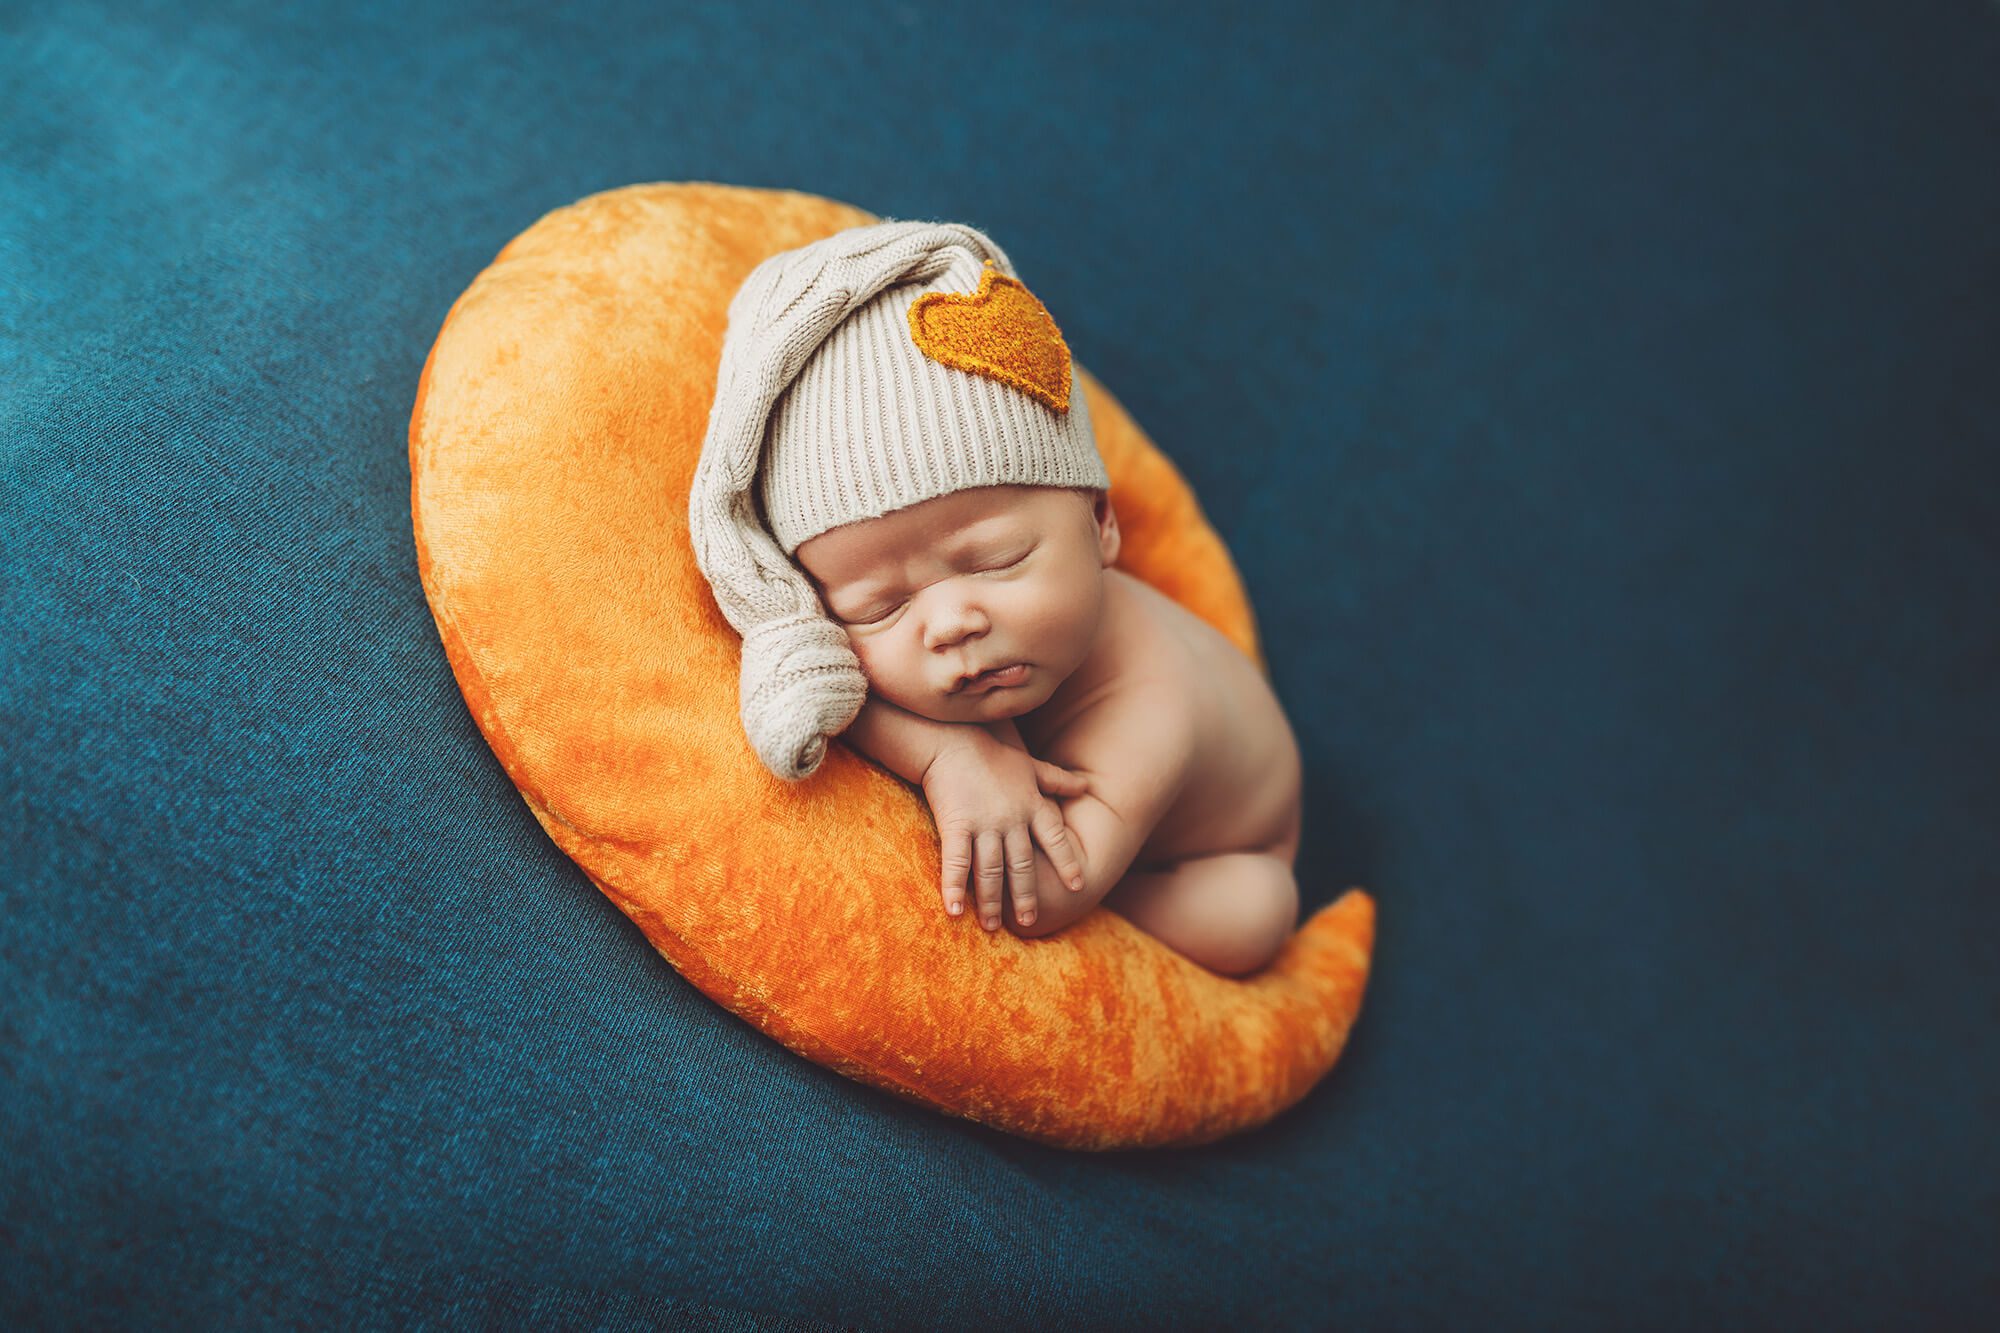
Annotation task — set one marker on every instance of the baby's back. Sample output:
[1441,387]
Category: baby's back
[1241,792]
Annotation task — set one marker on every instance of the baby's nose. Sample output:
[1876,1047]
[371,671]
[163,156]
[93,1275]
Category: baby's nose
[955,624]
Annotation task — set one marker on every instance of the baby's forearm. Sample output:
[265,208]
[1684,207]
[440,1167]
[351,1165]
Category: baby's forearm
[901,741]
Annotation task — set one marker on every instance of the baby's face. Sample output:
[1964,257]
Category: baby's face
[970,582]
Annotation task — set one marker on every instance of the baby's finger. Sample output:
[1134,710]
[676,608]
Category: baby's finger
[1053,834]
[1056,780]
[989,872]
[957,854]
[1021,872]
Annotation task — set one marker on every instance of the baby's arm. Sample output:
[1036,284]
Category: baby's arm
[903,742]
[989,798]
[1136,750]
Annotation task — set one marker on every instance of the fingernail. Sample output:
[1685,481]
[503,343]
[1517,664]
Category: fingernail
[992,922]
[955,908]
[1027,918]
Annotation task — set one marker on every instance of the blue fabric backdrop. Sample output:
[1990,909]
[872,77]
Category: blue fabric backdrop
[1600,402]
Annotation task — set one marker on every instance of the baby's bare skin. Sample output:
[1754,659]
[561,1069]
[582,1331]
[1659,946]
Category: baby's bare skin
[1213,875]
[1190,825]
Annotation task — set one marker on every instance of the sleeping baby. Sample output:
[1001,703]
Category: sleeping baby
[901,507]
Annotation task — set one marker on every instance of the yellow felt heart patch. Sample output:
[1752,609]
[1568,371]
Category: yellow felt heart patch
[1000,331]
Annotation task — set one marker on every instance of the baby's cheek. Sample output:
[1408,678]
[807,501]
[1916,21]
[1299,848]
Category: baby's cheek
[878,665]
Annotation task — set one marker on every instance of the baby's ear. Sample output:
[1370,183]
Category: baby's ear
[1106,516]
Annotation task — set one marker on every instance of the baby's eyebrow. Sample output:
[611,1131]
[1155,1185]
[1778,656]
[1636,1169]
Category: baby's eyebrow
[993,532]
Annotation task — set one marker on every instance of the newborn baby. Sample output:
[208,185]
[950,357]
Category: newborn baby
[901,507]
[993,625]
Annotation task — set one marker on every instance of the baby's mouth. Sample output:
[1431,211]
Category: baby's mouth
[998,678]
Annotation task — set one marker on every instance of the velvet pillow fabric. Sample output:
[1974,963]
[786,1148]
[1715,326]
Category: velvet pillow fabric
[555,432]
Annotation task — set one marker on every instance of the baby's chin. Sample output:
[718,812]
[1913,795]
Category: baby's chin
[990,706]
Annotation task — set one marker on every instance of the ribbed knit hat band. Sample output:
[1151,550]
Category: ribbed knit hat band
[871,370]
[874,424]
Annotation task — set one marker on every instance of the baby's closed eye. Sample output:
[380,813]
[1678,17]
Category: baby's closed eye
[871,617]
[879,614]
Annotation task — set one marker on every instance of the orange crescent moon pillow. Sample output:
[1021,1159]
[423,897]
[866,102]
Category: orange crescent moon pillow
[554,438]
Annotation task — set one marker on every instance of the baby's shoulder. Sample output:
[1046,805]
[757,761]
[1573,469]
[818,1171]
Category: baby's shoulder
[1161,646]
[1172,664]
[1143,691]
[1133,737]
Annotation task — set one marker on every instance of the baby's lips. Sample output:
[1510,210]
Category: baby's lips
[967,682]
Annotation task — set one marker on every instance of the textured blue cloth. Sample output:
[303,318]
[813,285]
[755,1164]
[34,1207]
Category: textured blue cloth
[1628,375]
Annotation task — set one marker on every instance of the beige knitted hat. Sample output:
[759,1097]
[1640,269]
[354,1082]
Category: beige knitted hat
[877,368]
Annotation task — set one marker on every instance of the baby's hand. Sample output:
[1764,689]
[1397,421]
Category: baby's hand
[989,802]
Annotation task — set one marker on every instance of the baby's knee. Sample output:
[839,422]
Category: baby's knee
[1046,922]
[1265,911]
[1057,907]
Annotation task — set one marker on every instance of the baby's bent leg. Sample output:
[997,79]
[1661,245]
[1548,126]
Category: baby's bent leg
[1231,913]
[1057,906]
